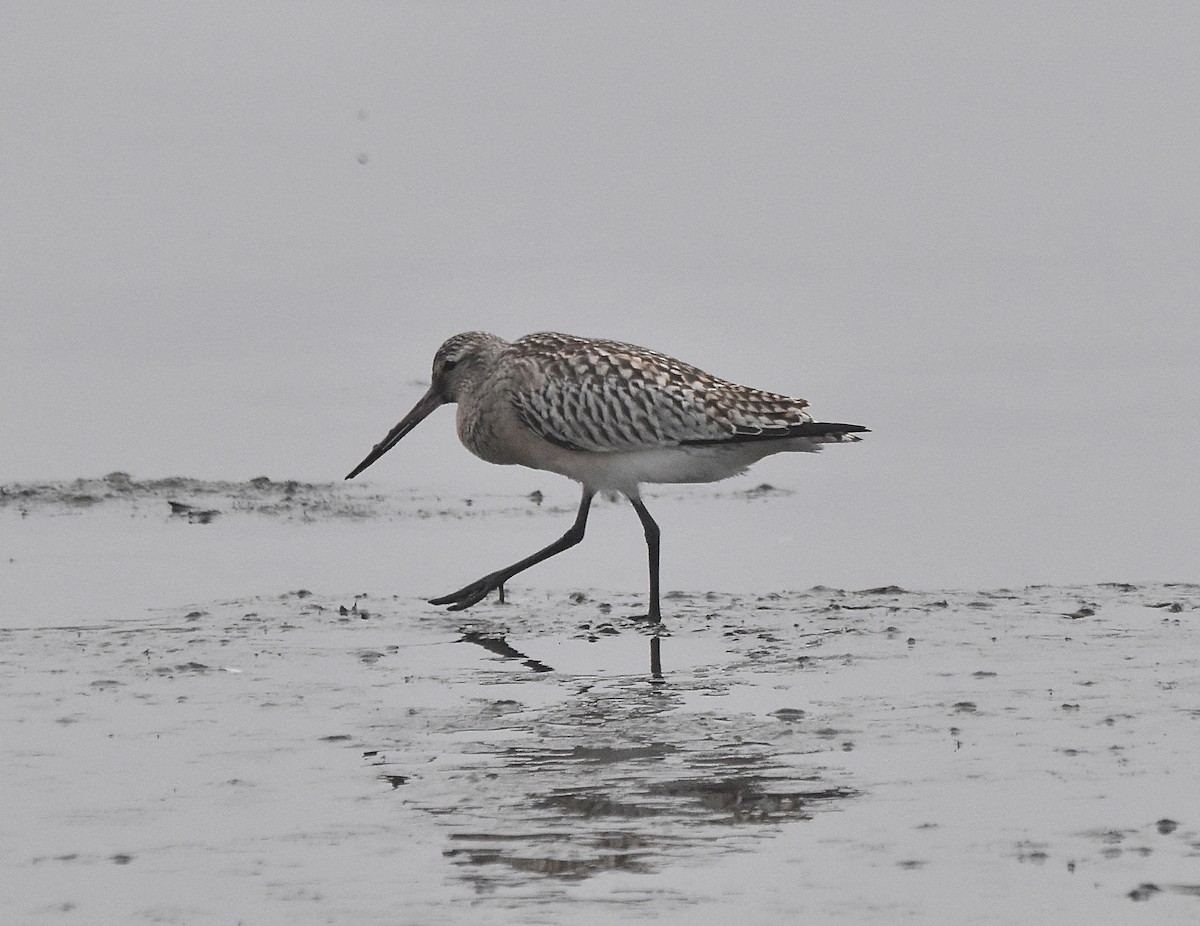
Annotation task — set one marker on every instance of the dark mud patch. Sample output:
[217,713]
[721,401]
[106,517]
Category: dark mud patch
[200,501]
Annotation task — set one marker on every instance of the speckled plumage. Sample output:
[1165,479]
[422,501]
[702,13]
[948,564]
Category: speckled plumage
[603,396]
[607,414]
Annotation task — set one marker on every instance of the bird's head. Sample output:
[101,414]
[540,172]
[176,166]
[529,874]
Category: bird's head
[462,362]
[459,365]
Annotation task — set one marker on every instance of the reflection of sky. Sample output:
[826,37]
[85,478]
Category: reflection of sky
[972,230]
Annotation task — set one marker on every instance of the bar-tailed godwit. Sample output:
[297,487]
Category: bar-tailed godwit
[611,416]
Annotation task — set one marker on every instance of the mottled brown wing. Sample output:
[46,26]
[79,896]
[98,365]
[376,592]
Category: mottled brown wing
[606,396]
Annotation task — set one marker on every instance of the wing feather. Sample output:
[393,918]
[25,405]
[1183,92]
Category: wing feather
[604,396]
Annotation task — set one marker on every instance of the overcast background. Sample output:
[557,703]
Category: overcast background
[233,235]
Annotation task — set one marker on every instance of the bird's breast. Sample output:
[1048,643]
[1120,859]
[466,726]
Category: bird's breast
[493,432]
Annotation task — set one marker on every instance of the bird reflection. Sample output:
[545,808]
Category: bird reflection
[497,644]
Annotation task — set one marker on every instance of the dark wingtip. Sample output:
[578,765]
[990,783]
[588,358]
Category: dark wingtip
[813,429]
[830,427]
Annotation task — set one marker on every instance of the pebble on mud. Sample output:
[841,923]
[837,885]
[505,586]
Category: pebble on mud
[1144,891]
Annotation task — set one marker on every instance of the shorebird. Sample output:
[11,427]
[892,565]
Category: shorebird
[611,416]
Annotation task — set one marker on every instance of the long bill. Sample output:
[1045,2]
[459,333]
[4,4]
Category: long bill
[428,402]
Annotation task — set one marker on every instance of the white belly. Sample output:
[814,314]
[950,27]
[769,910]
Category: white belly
[623,471]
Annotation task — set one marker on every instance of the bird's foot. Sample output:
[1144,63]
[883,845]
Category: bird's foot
[471,594]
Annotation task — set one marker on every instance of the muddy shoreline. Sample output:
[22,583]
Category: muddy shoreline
[307,754]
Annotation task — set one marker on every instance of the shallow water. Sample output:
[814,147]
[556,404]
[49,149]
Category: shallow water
[190,751]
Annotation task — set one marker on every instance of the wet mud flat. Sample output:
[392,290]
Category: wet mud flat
[201,501]
[859,756]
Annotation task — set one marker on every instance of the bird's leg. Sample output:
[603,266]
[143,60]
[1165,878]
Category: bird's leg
[477,590]
[652,535]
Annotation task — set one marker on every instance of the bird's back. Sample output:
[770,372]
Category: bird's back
[603,396]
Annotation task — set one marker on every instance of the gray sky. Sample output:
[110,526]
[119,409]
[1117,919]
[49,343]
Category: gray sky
[234,234]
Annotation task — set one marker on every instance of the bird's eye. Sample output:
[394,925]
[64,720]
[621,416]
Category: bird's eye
[449,365]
